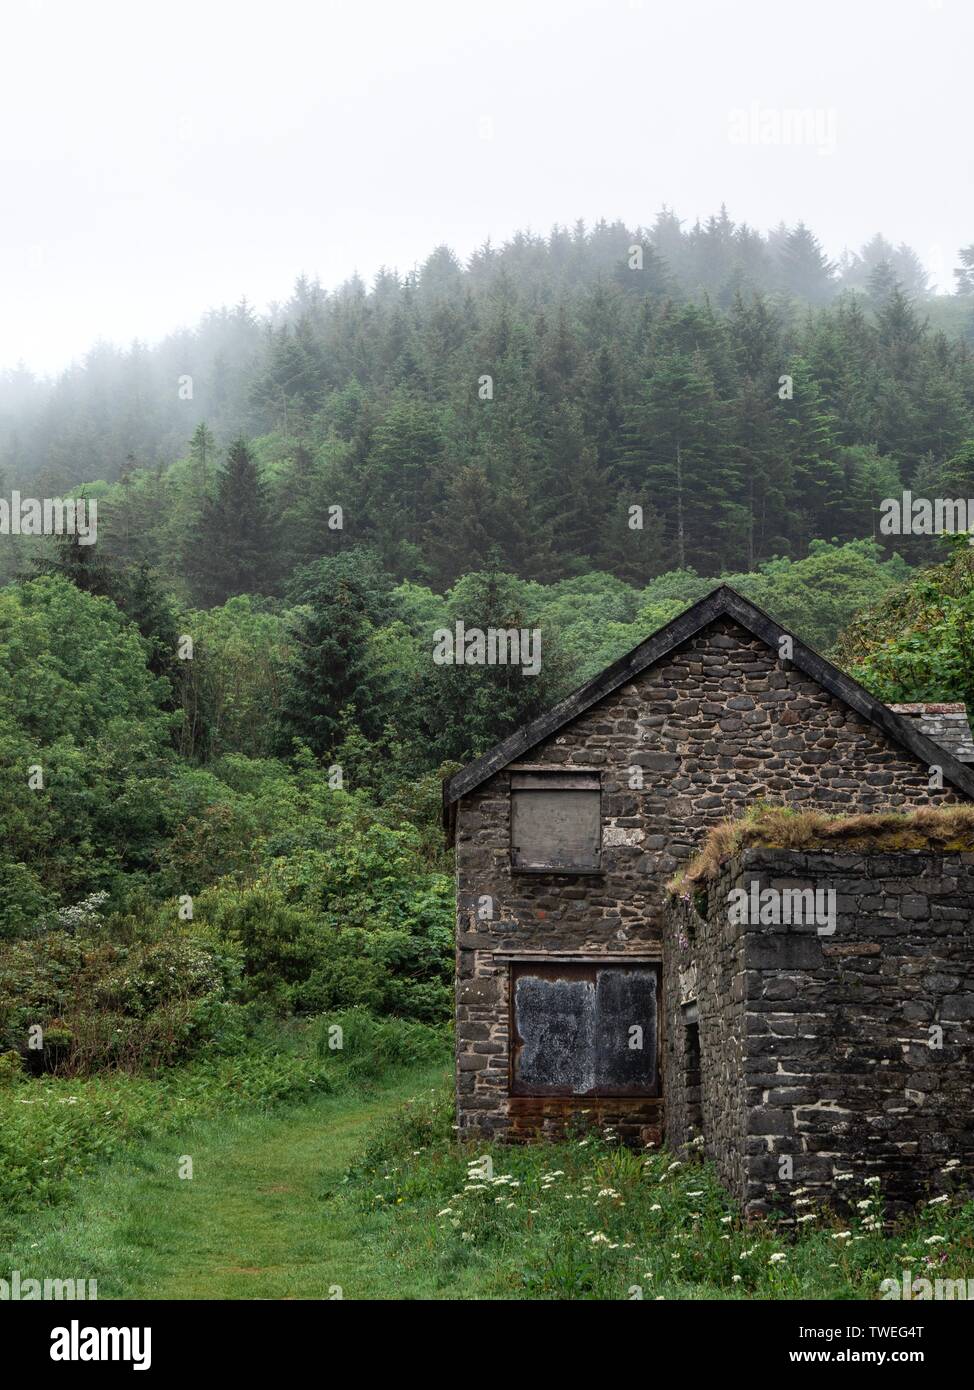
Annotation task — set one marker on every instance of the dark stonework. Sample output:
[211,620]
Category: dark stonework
[850,1052]
[715,726]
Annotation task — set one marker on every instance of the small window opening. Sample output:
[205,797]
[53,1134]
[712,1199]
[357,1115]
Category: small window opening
[691,1066]
[556,821]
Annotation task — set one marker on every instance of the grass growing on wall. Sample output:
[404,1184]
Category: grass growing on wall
[936,828]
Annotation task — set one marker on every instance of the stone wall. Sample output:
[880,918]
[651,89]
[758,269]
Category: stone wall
[947,725]
[850,1052]
[711,729]
[704,971]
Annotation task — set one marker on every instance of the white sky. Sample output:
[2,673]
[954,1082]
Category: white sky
[159,159]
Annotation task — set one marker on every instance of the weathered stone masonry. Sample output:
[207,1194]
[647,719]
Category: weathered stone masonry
[845,1053]
[716,725]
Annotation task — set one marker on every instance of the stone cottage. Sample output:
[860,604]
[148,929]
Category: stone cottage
[568,830]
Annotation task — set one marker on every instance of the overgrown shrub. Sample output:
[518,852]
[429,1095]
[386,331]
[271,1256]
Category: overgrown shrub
[368,1047]
[74,1000]
[344,928]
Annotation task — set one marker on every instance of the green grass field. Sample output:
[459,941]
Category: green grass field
[365,1194]
[256,1220]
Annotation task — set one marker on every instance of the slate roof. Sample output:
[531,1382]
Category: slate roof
[721,602]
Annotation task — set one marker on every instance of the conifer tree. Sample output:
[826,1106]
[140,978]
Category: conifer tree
[805,269]
[340,599]
[689,478]
[202,460]
[231,549]
[964,274]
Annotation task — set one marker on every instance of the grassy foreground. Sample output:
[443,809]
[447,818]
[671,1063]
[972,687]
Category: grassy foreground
[354,1186]
[588,1219]
[256,1220]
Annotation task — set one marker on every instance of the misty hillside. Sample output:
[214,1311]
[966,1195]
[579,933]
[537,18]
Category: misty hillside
[745,392]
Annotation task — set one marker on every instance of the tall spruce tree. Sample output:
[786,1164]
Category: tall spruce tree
[806,271]
[231,549]
[688,477]
[202,460]
[340,600]
[964,274]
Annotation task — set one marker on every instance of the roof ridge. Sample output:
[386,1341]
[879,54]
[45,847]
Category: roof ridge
[720,601]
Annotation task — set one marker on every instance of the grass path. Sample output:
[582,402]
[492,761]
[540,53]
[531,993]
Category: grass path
[263,1216]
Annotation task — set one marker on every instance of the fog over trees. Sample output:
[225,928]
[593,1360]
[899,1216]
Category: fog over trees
[744,390]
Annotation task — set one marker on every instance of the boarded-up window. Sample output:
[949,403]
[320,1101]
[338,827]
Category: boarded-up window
[556,821]
[585,1030]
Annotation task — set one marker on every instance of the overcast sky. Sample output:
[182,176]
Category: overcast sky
[163,158]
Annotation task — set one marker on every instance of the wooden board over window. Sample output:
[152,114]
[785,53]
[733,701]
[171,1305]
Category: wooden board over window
[585,1029]
[556,821]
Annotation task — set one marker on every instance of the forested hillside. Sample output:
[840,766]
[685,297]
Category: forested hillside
[221,726]
[745,392]
[223,723]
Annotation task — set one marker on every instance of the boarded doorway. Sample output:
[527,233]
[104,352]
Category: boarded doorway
[585,1029]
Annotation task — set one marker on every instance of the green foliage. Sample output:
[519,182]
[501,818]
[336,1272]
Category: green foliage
[11,1066]
[83,741]
[425,1124]
[587,1219]
[609,387]
[331,896]
[367,1048]
[918,643]
[54,1129]
[465,709]
[127,993]
[23,897]
[73,667]
[231,548]
[236,675]
[340,599]
[816,597]
[357,924]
